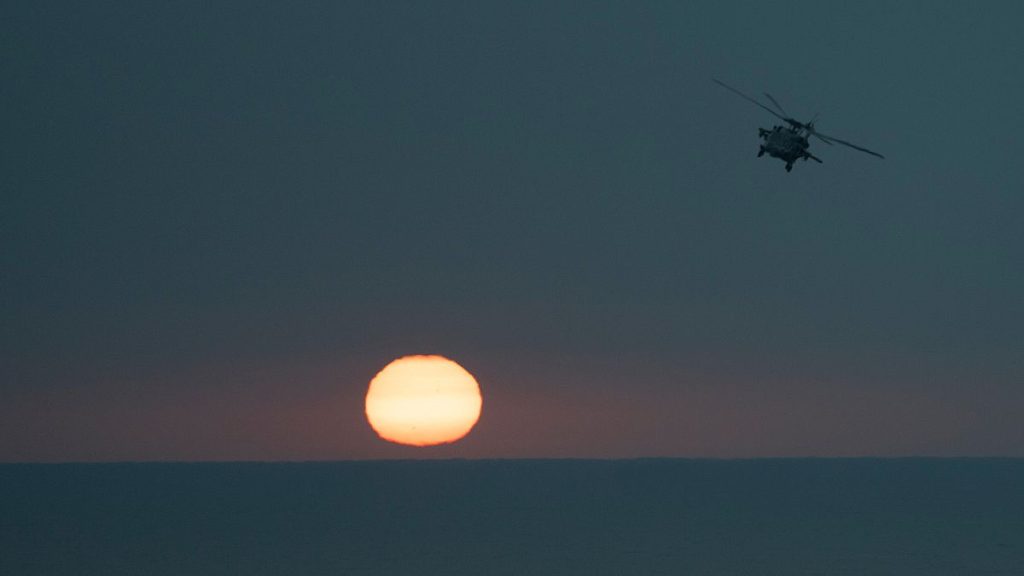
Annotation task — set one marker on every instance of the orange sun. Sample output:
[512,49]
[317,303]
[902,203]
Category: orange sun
[423,401]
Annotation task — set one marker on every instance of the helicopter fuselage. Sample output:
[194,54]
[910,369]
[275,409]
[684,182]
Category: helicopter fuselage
[786,144]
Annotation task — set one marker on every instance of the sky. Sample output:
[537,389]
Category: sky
[219,222]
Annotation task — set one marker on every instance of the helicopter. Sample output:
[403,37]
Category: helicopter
[790,143]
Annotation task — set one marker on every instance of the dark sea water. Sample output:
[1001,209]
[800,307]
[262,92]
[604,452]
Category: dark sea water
[680,517]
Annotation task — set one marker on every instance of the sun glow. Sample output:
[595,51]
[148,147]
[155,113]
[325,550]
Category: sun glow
[423,401]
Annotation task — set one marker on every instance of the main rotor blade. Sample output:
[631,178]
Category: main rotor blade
[820,137]
[745,97]
[845,143]
[781,109]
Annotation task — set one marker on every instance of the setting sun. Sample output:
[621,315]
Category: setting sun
[423,401]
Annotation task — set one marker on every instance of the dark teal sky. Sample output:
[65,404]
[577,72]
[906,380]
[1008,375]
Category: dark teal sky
[219,222]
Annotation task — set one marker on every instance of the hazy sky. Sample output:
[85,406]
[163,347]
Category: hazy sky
[219,222]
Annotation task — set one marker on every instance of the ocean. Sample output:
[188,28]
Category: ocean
[921,517]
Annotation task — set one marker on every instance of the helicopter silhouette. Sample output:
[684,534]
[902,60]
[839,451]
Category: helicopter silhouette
[790,143]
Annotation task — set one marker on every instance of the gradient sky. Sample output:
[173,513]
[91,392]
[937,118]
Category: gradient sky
[219,222]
